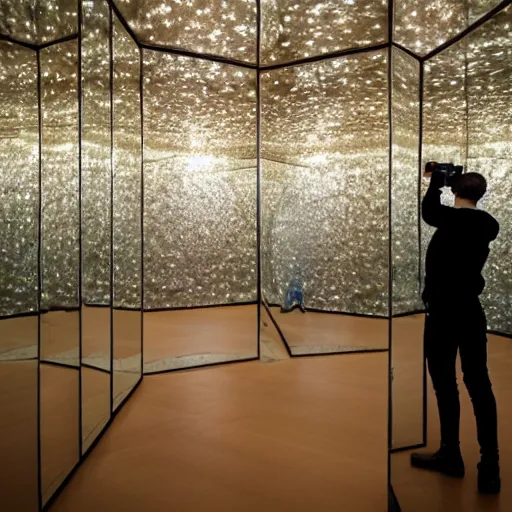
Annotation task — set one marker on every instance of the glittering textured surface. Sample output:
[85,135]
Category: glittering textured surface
[19,171]
[404,180]
[444,19]
[38,21]
[292,30]
[60,220]
[324,190]
[127,172]
[199,182]
[220,27]
[485,54]
[96,164]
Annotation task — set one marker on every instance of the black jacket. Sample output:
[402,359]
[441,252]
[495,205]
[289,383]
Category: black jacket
[458,250]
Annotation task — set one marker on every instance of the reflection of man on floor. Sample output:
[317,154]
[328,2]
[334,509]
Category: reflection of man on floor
[456,321]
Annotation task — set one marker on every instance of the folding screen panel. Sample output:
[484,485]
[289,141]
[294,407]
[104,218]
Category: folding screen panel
[126,211]
[96,225]
[19,226]
[325,168]
[408,369]
[200,212]
[59,261]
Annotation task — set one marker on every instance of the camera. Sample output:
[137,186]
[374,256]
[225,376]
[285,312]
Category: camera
[451,172]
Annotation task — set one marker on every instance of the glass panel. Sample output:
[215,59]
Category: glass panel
[18,435]
[204,26]
[470,84]
[407,331]
[126,215]
[444,19]
[38,21]
[293,30]
[200,211]
[60,450]
[19,210]
[60,216]
[490,153]
[96,220]
[325,166]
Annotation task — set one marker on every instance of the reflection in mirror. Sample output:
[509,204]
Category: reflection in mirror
[466,120]
[127,232]
[200,212]
[294,30]
[324,227]
[214,27]
[59,203]
[19,225]
[38,21]
[59,262]
[444,18]
[96,220]
[407,319]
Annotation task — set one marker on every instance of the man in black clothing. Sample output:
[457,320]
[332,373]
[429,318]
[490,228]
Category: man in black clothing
[456,321]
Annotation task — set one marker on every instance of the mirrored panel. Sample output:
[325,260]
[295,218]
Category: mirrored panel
[60,205]
[200,212]
[19,435]
[19,212]
[423,26]
[60,433]
[325,172]
[407,306]
[469,85]
[96,220]
[294,30]
[38,21]
[214,27]
[126,207]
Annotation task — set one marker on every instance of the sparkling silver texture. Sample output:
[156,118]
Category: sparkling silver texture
[325,168]
[96,153]
[127,157]
[19,179]
[218,27]
[475,105]
[293,30]
[38,21]
[404,182]
[59,176]
[199,182]
[422,26]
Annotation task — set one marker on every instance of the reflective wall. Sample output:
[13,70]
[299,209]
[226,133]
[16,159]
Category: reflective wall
[466,120]
[19,226]
[407,280]
[200,273]
[325,172]
[70,174]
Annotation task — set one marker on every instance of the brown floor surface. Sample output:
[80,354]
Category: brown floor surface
[294,435]
[204,335]
[420,491]
[310,333]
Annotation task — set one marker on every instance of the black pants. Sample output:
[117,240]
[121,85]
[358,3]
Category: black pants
[464,328]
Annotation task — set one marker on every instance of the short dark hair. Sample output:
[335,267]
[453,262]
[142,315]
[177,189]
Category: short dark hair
[471,186]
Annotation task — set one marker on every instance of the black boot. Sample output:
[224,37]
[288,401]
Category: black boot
[446,461]
[489,478]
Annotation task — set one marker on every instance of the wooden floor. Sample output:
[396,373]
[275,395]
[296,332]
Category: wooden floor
[313,333]
[295,435]
[193,337]
[419,491]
